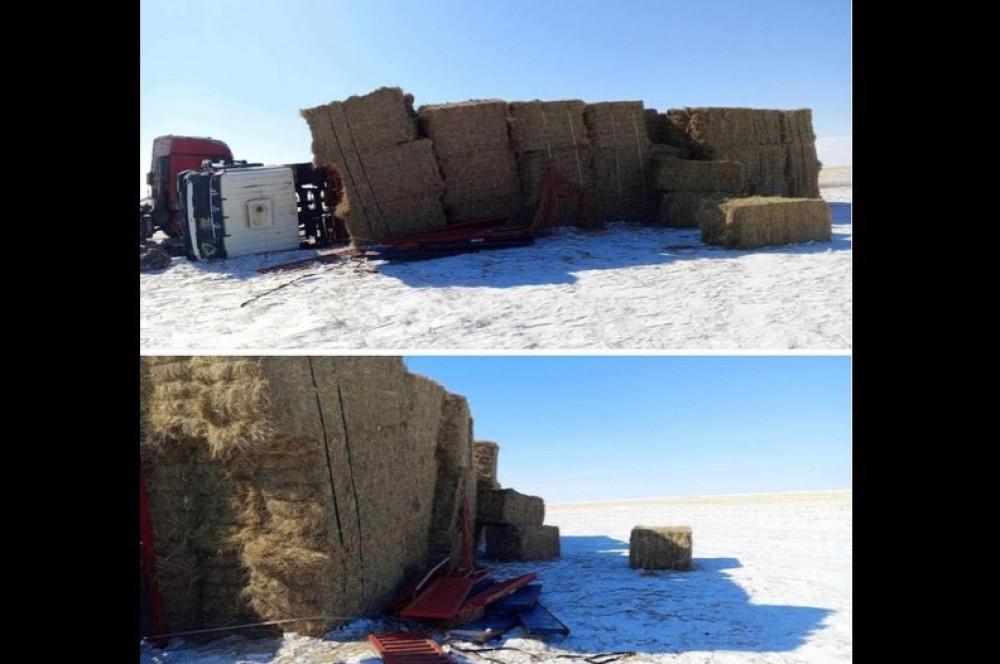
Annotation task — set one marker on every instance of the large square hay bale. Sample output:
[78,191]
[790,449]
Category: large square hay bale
[475,157]
[616,124]
[486,454]
[680,208]
[621,157]
[480,185]
[391,192]
[624,173]
[547,125]
[763,221]
[369,219]
[362,124]
[520,542]
[506,506]
[660,547]
[764,167]
[696,175]
[466,127]
[400,172]
[289,487]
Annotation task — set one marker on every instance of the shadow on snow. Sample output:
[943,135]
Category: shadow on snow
[610,607]
[552,260]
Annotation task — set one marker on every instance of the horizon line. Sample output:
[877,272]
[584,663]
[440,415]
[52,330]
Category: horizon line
[709,495]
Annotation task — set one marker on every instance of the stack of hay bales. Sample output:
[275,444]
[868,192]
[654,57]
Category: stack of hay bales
[551,132]
[687,183]
[759,221]
[391,177]
[475,158]
[622,185]
[512,523]
[777,148]
[294,487]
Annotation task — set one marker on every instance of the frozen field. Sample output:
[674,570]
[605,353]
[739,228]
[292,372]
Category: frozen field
[772,583]
[625,287]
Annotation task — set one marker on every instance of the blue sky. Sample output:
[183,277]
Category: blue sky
[592,428]
[240,70]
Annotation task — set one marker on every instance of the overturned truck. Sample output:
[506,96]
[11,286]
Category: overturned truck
[301,489]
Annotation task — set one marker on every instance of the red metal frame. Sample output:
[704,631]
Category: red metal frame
[554,187]
[409,594]
[149,562]
[442,599]
[408,649]
[475,606]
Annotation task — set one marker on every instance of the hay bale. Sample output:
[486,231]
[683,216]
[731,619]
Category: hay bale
[522,542]
[283,487]
[362,123]
[486,455]
[480,185]
[621,157]
[475,158]
[764,167]
[466,127]
[623,181]
[551,132]
[616,124]
[692,175]
[547,126]
[368,222]
[660,547]
[391,180]
[507,506]
[762,221]
[680,208]
[391,192]
[455,474]
[402,172]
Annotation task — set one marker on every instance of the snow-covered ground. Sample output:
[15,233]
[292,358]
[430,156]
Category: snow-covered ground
[625,287]
[772,583]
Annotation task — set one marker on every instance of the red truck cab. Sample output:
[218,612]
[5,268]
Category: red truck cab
[171,155]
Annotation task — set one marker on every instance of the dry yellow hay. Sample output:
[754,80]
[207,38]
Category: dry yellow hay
[291,487]
[695,175]
[507,506]
[762,221]
[680,208]
[659,547]
[521,542]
